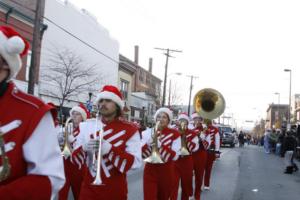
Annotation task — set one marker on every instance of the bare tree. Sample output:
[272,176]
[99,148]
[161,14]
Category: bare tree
[175,96]
[68,75]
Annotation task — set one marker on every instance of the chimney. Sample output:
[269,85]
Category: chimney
[150,65]
[136,54]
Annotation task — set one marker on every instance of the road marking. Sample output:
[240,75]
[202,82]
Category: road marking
[255,190]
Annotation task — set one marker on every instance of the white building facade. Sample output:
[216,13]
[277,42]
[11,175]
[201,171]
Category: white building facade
[79,32]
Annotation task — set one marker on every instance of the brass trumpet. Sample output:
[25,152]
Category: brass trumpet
[155,156]
[182,129]
[98,180]
[66,148]
[5,168]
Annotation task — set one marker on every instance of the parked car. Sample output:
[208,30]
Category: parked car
[226,135]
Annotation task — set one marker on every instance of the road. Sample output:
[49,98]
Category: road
[240,174]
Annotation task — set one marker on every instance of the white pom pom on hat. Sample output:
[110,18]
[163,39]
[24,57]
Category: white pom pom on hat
[12,47]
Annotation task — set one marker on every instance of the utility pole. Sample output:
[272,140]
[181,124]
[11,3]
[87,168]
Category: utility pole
[191,88]
[35,46]
[167,54]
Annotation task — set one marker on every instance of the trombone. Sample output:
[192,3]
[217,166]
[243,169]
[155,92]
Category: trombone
[5,168]
[66,148]
[155,156]
[182,129]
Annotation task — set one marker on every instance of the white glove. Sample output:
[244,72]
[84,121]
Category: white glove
[60,138]
[91,146]
[106,147]
[202,136]
[71,139]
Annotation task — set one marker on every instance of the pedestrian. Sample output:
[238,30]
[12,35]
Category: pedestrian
[267,140]
[289,149]
[74,171]
[29,143]
[120,148]
[241,138]
[160,149]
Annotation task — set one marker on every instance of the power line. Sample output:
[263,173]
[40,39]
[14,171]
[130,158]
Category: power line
[69,33]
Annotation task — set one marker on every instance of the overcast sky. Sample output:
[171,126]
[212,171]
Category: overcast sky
[239,47]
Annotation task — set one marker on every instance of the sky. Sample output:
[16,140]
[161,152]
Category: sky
[238,47]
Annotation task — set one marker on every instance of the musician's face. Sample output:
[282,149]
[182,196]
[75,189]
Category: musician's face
[107,108]
[163,118]
[77,118]
[4,69]
[197,121]
[183,121]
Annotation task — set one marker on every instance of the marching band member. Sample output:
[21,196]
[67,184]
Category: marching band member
[159,177]
[120,148]
[73,170]
[184,164]
[30,142]
[213,152]
[200,156]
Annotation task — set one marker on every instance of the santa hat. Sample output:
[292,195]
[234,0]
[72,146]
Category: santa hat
[12,47]
[164,110]
[195,115]
[82,110]
[113,93]
[183,116]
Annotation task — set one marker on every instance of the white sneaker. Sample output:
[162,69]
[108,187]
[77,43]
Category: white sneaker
[206,188]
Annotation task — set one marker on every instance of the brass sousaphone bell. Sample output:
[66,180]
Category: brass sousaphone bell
[209,103]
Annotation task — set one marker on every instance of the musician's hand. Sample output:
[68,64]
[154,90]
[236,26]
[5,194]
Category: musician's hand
[202,136]
[60,138]
[106,147]
[71,139]
[91,146]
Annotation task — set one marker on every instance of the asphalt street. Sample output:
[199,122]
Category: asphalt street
[240,174]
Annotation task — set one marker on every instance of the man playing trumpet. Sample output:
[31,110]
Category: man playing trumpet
[160,148]
[184,164]
[119,149]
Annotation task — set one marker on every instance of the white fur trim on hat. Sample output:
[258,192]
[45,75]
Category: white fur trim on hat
[112,96]
[10,49]
[195,115]
[80,110]
[183,116]
[164,110]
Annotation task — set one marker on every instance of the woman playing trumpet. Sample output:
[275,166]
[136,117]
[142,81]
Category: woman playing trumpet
[162,145]
[184,164]
[73,169]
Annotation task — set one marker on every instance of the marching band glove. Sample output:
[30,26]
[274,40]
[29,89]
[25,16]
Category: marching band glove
[91,146]
[202,136]
[60,138]
[71,139]
[106,147]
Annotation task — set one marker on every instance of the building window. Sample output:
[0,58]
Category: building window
[124,87]
[28,62]
[141,76]
[148,80]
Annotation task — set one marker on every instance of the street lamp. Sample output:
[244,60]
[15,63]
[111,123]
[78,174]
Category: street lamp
[178,74]
[278,114]
[289,113]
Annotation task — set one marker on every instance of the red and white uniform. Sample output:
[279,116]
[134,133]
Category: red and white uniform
[211,156]
[74,172]
[158,178]
[200,158]
[124,155]
[184,168]
[31,146]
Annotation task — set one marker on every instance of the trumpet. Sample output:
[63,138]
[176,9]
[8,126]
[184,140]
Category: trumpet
[182,129]
[155,156]
[98,180]
[66,148]
[5,168]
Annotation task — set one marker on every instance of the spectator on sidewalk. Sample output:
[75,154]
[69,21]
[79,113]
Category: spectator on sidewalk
[267,140]
[289,149]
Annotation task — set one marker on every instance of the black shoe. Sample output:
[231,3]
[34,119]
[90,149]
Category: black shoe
[295,168]
[288,170]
